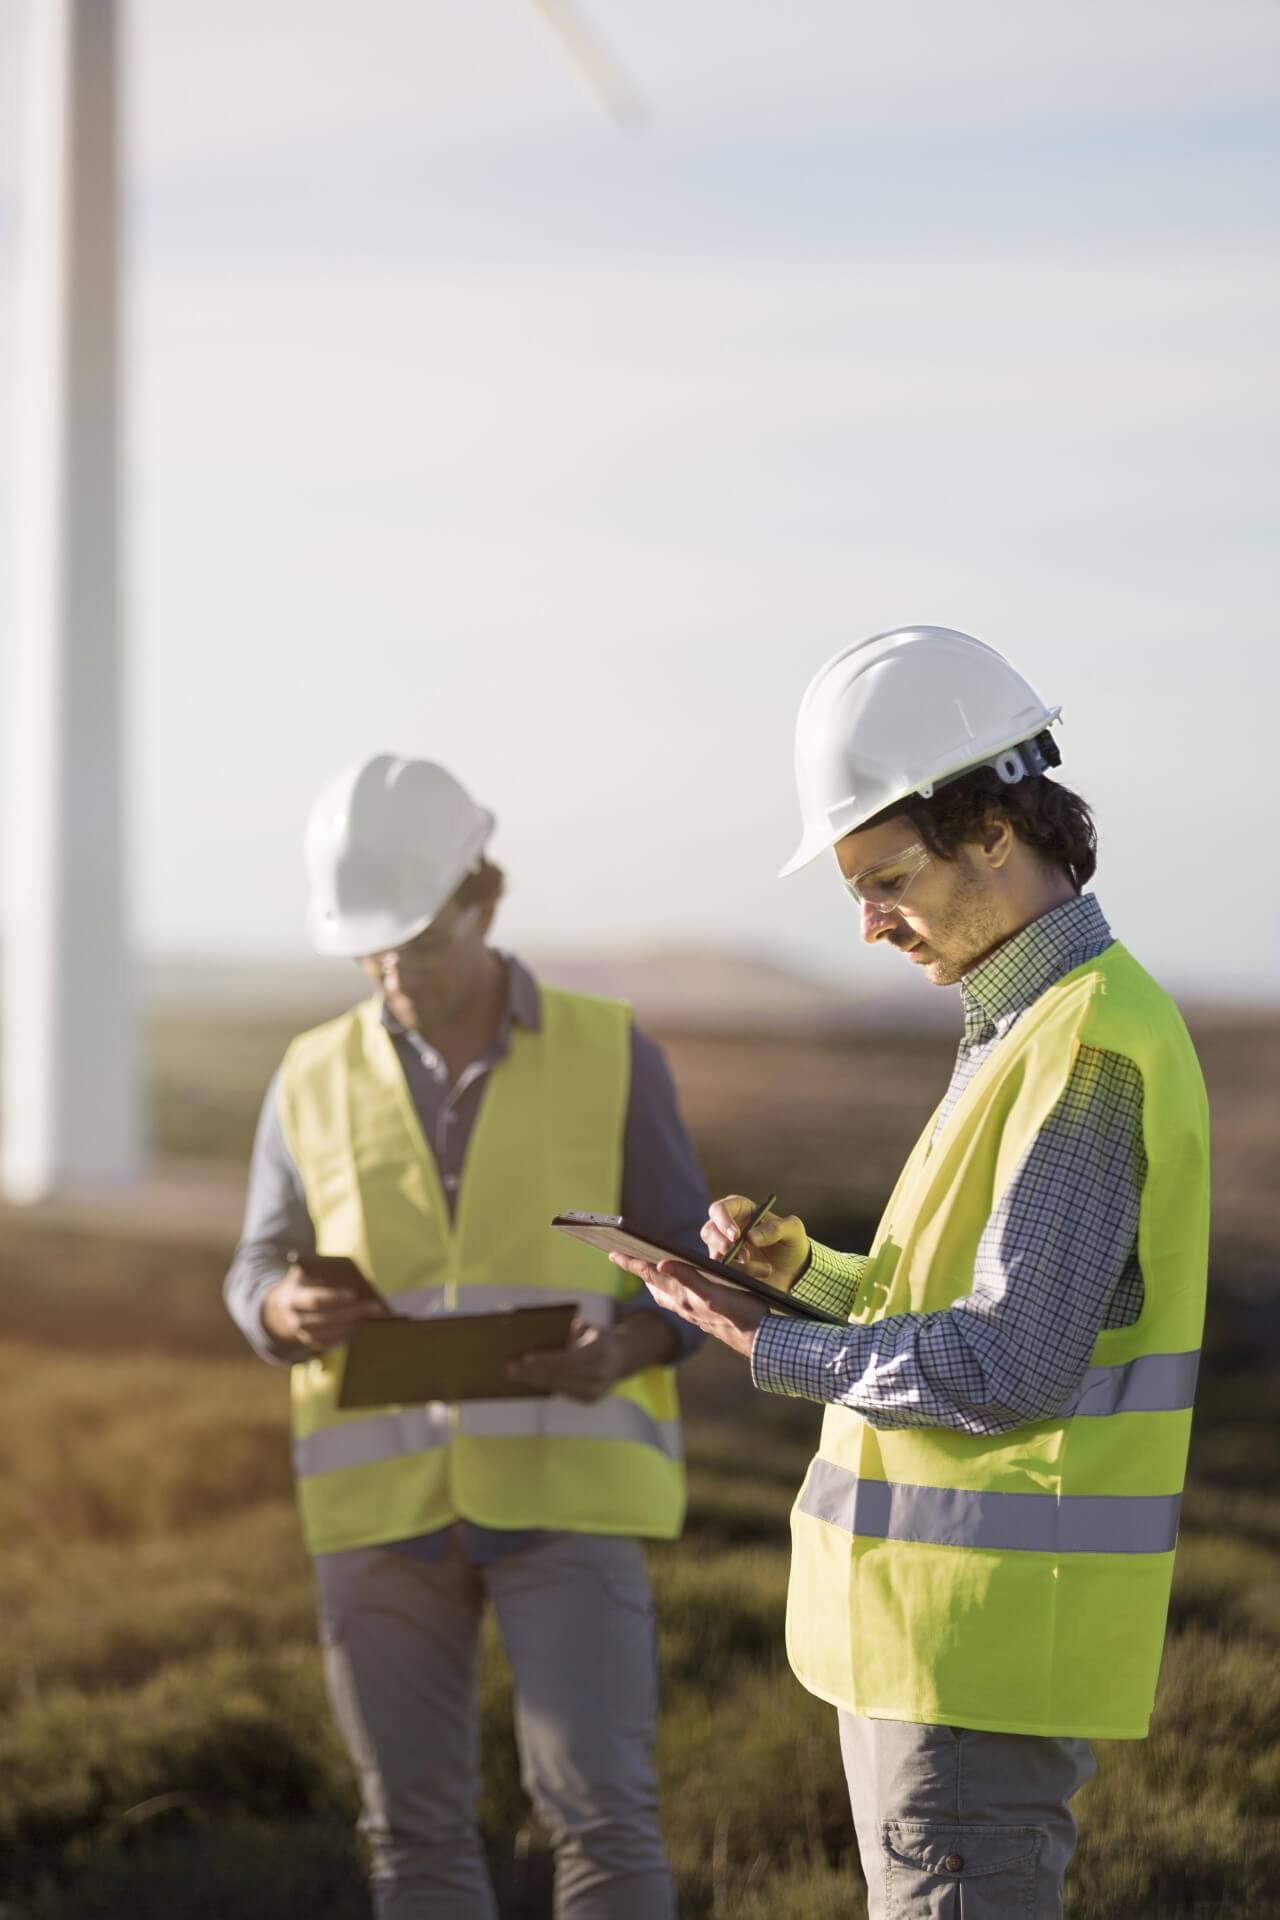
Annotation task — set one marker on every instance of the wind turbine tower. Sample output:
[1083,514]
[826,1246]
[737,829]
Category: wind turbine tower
[71,1111]
[69,1080]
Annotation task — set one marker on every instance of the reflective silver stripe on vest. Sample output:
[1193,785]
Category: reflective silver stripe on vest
[418,1303]
[1154,1383]
[558,1418]
[1018,1522]
[422,1303]
[389,1436]
[363,1443]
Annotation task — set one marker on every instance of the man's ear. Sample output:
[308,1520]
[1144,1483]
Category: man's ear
[996,840]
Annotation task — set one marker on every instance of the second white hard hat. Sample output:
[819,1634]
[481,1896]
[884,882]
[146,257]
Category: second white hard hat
[387,843]
[896,715]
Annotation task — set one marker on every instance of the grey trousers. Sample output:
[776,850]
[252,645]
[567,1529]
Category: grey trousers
[954,1824]
[401,1644]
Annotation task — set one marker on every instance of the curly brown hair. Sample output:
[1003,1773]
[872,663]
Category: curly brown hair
[1055,822]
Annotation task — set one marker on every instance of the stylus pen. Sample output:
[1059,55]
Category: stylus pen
[754,1221]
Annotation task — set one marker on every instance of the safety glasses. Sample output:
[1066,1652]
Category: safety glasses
[883,886]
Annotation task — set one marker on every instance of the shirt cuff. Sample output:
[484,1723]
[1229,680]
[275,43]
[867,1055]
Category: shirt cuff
[792,1356]
[255,1270]
[831,1279]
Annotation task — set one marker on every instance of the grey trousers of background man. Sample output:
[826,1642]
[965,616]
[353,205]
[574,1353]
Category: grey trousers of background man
[401,1644]
[954,1824]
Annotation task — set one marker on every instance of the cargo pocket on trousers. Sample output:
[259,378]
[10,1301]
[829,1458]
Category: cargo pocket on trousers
[936,1872]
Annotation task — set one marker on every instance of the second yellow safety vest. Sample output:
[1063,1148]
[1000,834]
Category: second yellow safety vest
[1018,1582]
[548,1136]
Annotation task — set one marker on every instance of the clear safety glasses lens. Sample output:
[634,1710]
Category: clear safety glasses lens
[883,887]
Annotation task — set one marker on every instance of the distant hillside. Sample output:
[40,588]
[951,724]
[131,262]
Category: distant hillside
[669,988]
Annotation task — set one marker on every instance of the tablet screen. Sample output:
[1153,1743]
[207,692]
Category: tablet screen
[611,1233]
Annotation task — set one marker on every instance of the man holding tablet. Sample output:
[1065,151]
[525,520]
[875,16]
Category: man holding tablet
[983,1544]
[409,1158]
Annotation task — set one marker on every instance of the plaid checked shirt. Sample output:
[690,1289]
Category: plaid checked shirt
[1057,1261]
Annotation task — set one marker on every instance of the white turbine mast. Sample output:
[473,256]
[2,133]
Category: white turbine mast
[70,1083]
[70,1078]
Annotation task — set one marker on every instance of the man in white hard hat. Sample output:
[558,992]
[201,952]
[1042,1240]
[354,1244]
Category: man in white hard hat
[428,1136]
[983,1544]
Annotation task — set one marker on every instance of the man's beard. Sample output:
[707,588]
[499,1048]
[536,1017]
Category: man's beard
[970,930]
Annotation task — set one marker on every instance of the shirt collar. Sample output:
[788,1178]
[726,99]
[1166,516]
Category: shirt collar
[1019,971]
[523,1002]
[522,1005]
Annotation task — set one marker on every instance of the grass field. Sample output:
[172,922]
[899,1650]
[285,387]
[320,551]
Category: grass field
[165,1750]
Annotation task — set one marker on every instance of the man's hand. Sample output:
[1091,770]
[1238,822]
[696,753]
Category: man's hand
[593,1361]
[317,1313]
[596,1358]
[722,1311]
[777,1247]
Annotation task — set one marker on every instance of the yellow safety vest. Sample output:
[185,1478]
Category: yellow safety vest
[548,1135]
[1020,1582]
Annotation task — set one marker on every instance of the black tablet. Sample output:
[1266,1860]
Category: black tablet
[612,1234]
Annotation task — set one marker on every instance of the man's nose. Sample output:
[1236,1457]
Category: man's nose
[876,921]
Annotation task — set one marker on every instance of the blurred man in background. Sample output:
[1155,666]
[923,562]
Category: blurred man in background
[429,1135]
[983,1546]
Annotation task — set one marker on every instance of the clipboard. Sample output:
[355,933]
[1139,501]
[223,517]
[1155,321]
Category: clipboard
[405,1362]
[611,1233]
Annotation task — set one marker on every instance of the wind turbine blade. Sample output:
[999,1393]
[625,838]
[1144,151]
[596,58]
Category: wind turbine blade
[595,64]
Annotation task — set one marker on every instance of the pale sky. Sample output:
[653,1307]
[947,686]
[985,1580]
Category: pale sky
[463,424]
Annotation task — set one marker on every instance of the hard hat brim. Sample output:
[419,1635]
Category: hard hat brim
[355,935]
[807,852]
[820,837]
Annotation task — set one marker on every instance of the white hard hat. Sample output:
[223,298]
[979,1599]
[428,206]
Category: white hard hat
[898,714]
[388,842]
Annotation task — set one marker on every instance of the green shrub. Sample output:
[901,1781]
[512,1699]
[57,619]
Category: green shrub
[211,1870]
[166,1751]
